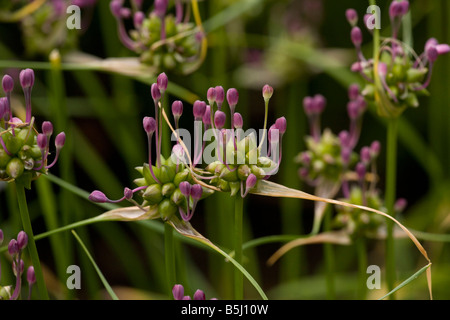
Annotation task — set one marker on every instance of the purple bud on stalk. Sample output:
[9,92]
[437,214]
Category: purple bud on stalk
[13,248]
[365,155]
[26,78]
[138,19]
[149,125]
[308,105]
[116,7]
[352,17]
[219,119]
[128,193]
[31,275]
[375,148]
[251,181]
[185,188]
[432,53]
[60,140]
[267,92]
[432,42]
[199,109]
[220,96]
[356,36]
[161,7]
[361,170]
[98,197]
[211,95]
[162,82]
[42,141]
[156,93]
[443,49]
[207,116]
[178,292]
[400,205]
[47,128]
[177,108]
[232,97]
[199,295]
[319,103]
[238,120]
[22,240]
[281,125]
[196,191]
[353,91]
[7,83]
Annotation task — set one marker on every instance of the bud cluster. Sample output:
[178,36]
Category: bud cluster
[24,152]
[398,77]
[15,249]
[163,40]
[178,294]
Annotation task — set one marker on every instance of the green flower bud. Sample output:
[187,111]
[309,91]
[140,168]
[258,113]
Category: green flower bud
[416,75]
[4,158]
[228,175]
[12,143]
[399,72]
[5,292]
[212,166]
[168,189]
[235,187]
[153,194]
[140,182]
[14,168]
[167,174]
[147,174]
[181,176]
[224,185]
[412,100]
[206,193]
[257,171]
[243,171]
[167,209]
[177,197]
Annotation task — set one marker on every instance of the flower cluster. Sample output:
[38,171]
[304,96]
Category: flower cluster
[46,28]
[397,76]
[236,162]
[24,153]
[168,184]
[15,248]
[163,40]
[178,294]
[240,160]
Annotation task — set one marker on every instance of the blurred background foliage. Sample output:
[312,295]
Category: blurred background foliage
[300,47]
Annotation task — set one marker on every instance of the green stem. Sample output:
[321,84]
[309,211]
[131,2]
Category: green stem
[169,257]
[23,208]
[329,258]
[238,218]
[361,252]
[391,172]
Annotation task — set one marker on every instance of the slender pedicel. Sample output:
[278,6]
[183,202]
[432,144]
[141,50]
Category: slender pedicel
[150,126]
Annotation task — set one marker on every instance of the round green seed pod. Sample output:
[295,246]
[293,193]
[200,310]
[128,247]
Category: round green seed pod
[4,158]
[168,189]
[167,209]
[15,168]
[153,194]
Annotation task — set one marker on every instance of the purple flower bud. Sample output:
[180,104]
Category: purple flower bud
[13,248]
[162,82]
[7,83]
[220,95]
[138,19]
[232,97]
[303,173]
[345,138]
[199,295]
[22,240]
[361,170]
[199,109]
[356,67]
[219,119]
[26,78]
[345,155]
[47,128]
[404,7]
[251,181]
[60,140]
[161,7]
[356,36]
[178,292]
[21,267]
[353,110]
[267,92]
[365,155]
[98,197]
[281,125]
[185,188]
[400,205]
[395,9]
[353,91]
[305,158]
[116,7]
[177,108]
[238,121]
[352,17]
[432,53]
[319,103]
[308,105]
[125,13]
[375,148]
[149,124]
[156,94]
[443,49]
[42,141]
[211,95]
[31,275]
[196,191]
[432,42]
[128,193]
[273,134]
[207,116]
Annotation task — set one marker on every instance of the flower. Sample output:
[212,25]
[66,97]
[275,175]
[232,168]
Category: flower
[23,153]
[398,76]
[178,294]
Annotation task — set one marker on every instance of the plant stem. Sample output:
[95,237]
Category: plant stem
[23,208]
[391,172]
[361,251]
[238,218]
[169,257]
[329,257]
